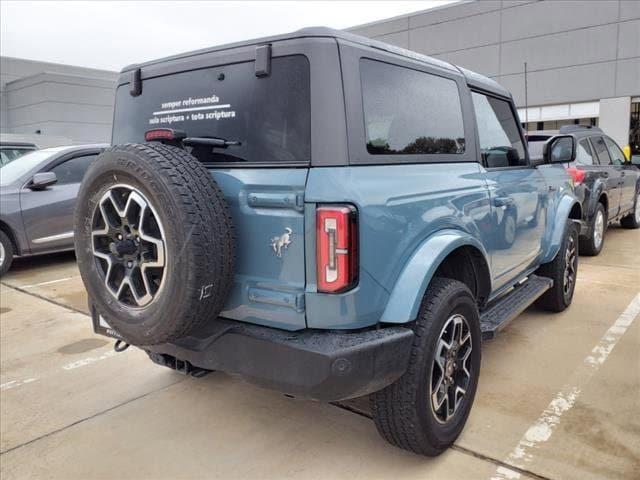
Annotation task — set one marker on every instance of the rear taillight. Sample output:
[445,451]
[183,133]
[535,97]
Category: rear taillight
[576,174]
[336,248]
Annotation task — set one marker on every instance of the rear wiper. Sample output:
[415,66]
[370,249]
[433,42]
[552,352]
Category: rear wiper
[214,142]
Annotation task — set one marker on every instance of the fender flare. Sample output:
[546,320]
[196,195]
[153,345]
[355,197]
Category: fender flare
[566,204]
[599,189]
[409,289]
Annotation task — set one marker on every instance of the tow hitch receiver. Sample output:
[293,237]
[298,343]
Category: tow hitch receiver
[181,366]
[120,346]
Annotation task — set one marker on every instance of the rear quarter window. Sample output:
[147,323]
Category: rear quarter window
[409,112]
[269,116]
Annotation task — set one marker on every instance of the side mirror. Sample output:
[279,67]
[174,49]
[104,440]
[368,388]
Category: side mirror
[559,149]
[43,180]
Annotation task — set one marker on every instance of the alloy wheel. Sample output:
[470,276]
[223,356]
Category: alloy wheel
[2,254]
[128,246]
[598,229]
[571,266]
[450,373]
[638,209]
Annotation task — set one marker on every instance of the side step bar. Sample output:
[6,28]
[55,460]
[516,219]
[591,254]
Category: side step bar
[500,313]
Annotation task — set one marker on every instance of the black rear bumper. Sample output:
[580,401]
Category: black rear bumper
[316,364]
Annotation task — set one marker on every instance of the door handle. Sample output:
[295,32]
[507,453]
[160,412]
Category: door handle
[503,201]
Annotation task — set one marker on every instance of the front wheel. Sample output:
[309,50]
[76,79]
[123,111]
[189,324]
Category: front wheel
[563,270]
[6,253]
[425,410]
[633,219]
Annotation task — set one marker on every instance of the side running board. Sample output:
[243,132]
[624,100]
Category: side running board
[500,313]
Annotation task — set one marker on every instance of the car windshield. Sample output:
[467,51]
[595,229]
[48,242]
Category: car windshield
[12,171]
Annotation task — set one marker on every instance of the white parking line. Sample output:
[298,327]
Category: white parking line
[16,383]
[49,282]
[88,361]
[543,428]
[69,366]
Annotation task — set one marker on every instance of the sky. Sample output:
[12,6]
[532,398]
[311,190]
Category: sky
[110,34]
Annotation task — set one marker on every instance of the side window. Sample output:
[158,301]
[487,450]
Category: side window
[617,157]
[408,112]
[499,134]
[73,170]
[601,150]
[583,153]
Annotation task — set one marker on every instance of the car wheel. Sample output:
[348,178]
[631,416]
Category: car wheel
[154,242]
[563,270]
[426,409]
[6,253]
[633,219]
[592,245]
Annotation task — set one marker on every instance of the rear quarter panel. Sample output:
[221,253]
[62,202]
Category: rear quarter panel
[399,207]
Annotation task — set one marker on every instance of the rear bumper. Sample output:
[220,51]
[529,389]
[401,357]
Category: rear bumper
[315,364]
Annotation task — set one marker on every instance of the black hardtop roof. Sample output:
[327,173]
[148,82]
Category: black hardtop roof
[473,79]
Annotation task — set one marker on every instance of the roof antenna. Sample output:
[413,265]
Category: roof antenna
[526,100]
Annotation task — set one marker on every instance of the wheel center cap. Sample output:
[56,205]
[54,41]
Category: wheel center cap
[449,367]
[123,247]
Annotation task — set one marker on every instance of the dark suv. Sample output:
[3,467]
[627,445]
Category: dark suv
[607,183]
[326,215]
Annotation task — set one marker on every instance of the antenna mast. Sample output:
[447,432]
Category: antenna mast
[526,100]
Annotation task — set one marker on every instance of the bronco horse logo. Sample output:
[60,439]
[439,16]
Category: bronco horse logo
[283,241]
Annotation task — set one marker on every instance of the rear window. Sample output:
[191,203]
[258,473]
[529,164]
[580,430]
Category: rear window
[269,115]
[408,112]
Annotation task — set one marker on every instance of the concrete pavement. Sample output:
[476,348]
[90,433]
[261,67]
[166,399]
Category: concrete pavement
[559,397]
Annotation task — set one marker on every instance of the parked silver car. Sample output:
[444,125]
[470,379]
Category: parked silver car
[37,198]
[9,151]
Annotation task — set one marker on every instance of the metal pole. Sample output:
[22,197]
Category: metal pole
[526,99]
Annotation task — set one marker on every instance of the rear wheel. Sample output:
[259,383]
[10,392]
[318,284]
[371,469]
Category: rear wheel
[563,270]
[154,242]
[593,243]
[633,219]
[426,409]
[6,253]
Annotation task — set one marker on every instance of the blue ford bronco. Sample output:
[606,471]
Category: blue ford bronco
[328,216]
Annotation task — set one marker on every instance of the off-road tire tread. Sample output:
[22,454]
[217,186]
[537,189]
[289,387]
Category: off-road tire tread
[204,212]
[553,299]
[393,408]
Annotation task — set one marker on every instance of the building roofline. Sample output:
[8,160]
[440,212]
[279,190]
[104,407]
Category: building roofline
[410,14]
[67,65]
[58,76]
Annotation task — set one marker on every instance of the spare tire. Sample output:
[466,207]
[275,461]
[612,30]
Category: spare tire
[154,242]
